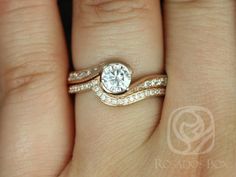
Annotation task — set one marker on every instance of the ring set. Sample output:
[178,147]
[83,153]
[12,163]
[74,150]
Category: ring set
[112,83]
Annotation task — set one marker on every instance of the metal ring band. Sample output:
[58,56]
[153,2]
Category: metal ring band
[80,81]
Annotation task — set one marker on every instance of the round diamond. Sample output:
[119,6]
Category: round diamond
[116,78]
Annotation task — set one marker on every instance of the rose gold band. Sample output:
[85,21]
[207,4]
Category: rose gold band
[80,81]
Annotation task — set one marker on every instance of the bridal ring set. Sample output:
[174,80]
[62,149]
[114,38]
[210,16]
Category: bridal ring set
[113,85]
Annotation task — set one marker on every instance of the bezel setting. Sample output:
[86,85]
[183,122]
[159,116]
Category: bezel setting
[116,78]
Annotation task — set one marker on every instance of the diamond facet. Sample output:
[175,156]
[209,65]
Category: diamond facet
[116,78]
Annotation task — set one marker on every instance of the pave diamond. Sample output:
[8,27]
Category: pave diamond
[79,75]
[116,78]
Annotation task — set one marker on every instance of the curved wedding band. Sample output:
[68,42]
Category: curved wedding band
[111,82]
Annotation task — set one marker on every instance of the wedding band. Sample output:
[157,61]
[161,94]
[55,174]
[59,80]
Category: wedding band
[112,83]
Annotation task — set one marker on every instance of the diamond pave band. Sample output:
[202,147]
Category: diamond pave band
[113,85]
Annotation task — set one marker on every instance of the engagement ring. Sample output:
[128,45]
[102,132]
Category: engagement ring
[112,83]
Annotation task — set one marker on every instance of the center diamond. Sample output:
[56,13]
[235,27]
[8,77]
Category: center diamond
[116,78]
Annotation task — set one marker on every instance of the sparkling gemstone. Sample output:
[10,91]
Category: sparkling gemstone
[94,82]
[157,92]
[82,74]
[131,98]
[116,78]
[103,97]
[114,101]
[120,101]
[96,88]
[99,93]
[157,82]
[152,92]
[108,99]
[125,101]
[148,83]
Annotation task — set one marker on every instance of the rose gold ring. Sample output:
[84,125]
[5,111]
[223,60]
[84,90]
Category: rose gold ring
[111,81]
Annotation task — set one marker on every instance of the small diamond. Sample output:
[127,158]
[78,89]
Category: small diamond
[165,80]
[120,102]
[137,96]
[131,99]
[99,93]
[147,93]
[154,82]
[108,99]
[94,82]
[152,92]
[147,84]
[157,92]
[82,74]
[96,88]
[158,81]
[90,84]
[125,101]
[116,78]
[103,97]
[142,95]
[113,101]
[82,87]
[76,90]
